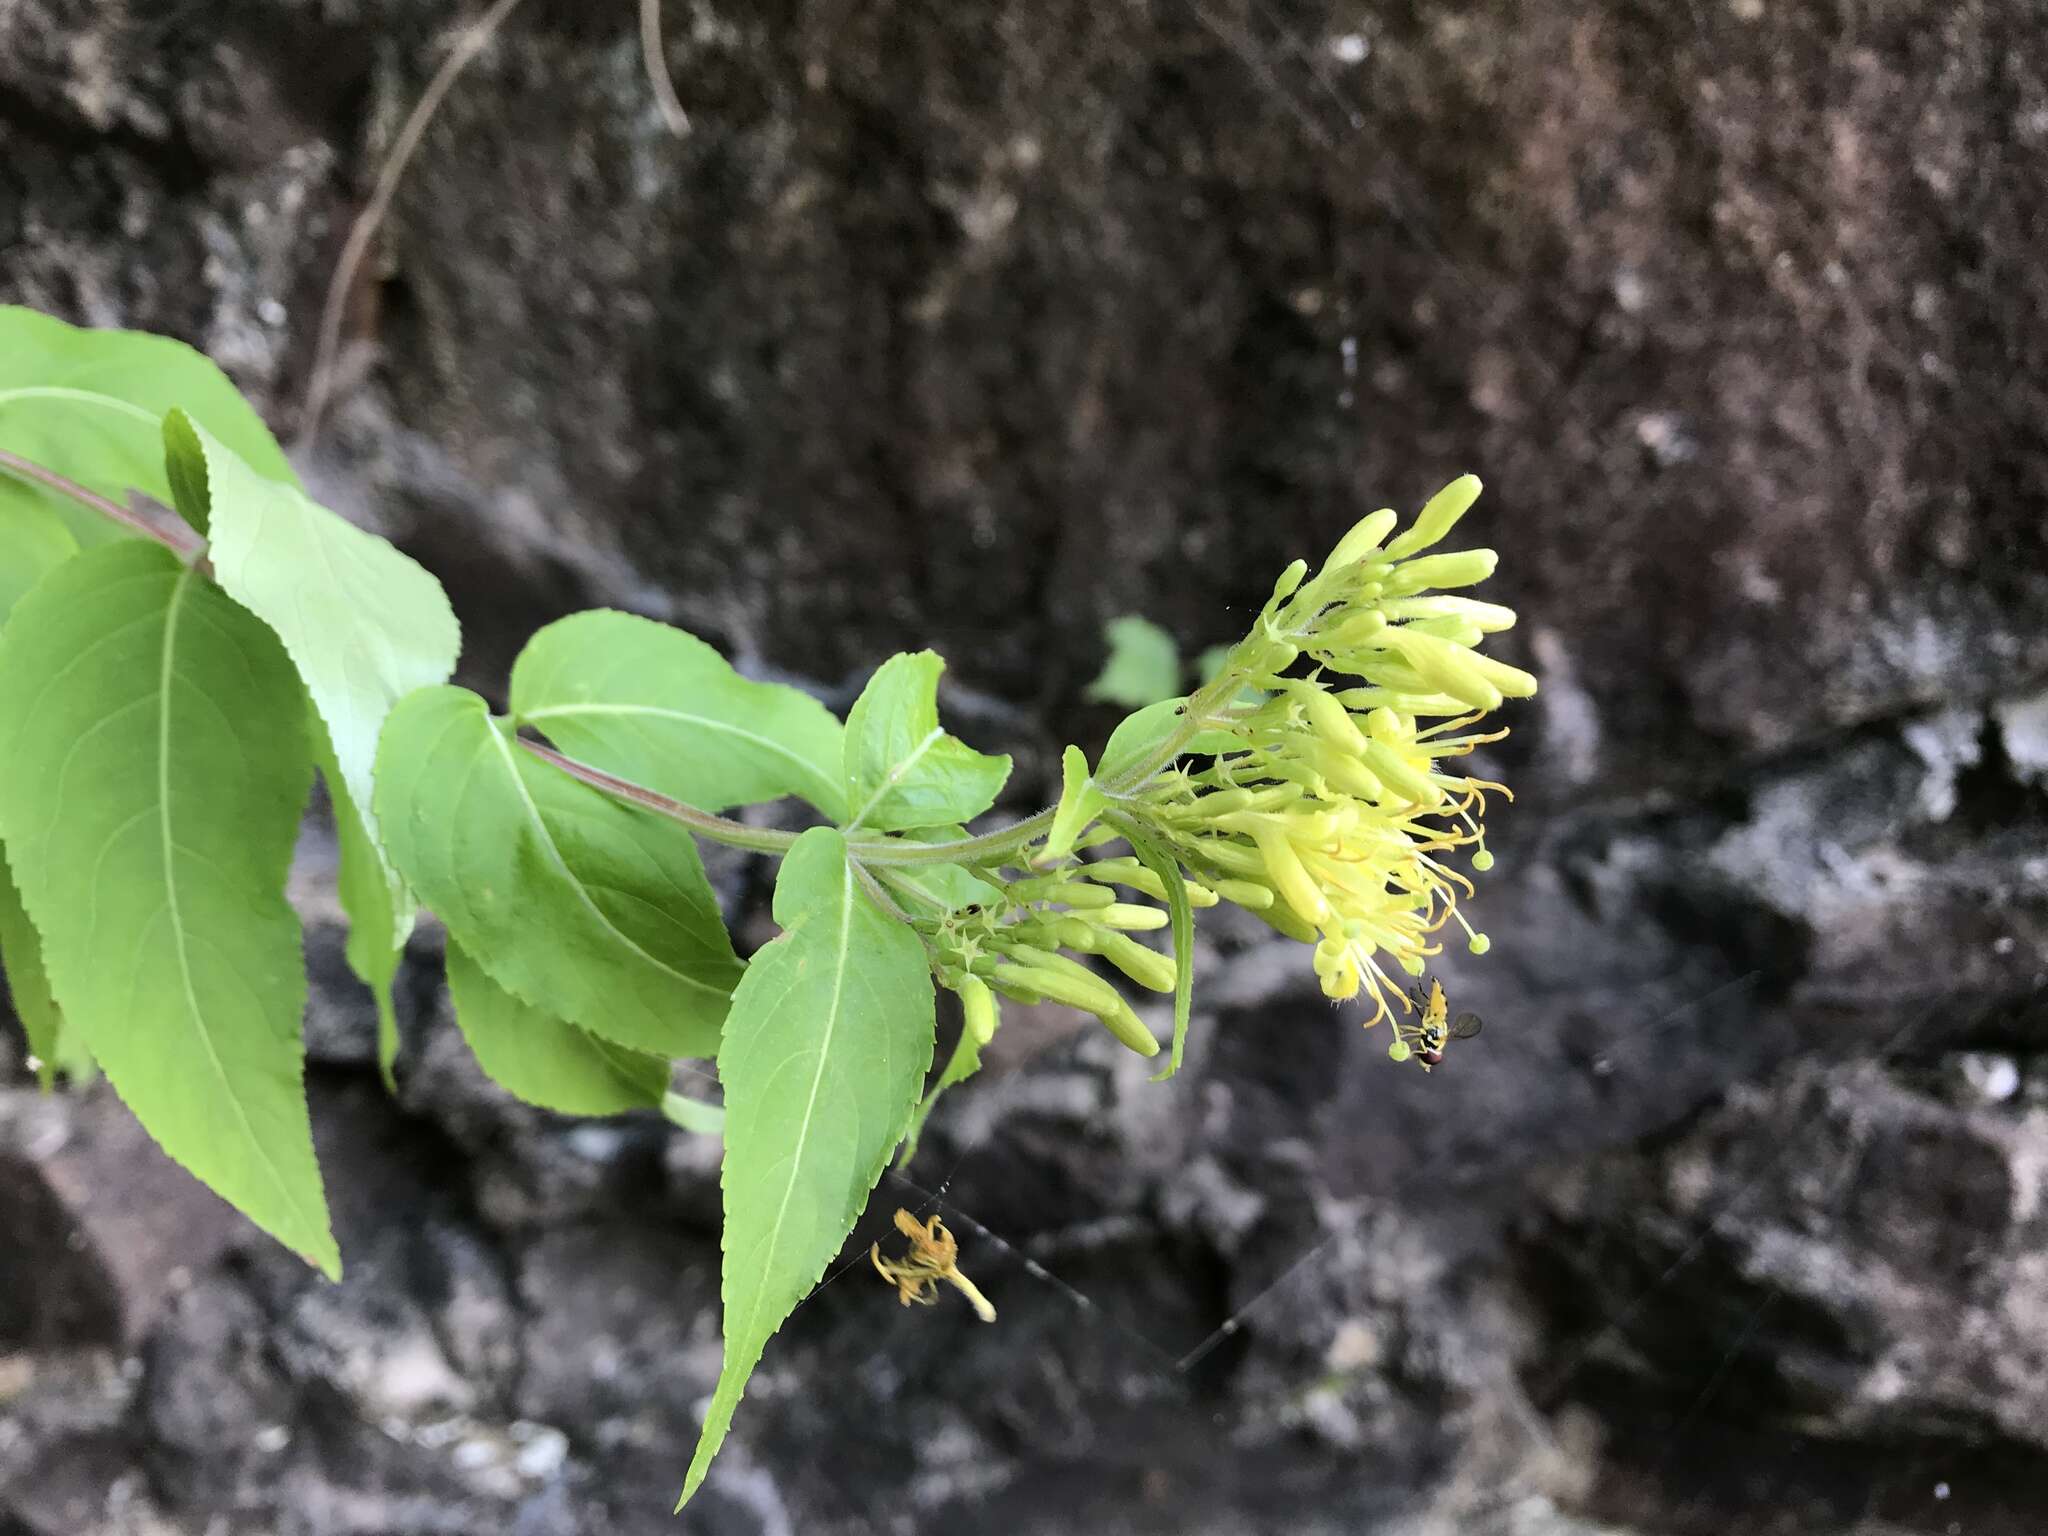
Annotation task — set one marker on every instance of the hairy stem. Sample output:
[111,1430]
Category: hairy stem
[985,848]
[720,829]
[180,541]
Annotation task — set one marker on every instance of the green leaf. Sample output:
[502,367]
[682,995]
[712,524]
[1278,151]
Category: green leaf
[543,1060]
[380,905]
[588,909]
[660,707]
[1143,733]
[902,770]
[941,887]
[150,794]
[693,1115]
[829,1042]
[364,624]
[1180,911]
[90,404]
[1143,665]
[1080,804]
[185,469]
[981,1017]
[28,988]
[33,542]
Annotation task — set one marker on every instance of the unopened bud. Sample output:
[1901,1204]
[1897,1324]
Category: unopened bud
[1129,916]
[1245,893]
[1403,780]
[1512,681]
[1329,719]
[1458,568]
[1490,617]
[1147,967]
[1362,540]
[1447,667]
[1289,876]
[1437,516]
[1359,629]
[978,1009]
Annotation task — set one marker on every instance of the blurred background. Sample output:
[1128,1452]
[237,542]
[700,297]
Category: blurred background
[979,325]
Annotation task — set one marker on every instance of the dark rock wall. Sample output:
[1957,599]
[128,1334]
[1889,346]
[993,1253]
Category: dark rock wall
[976,325]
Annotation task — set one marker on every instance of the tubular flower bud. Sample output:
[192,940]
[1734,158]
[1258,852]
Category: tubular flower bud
[978,1009]
[1129,916]
[1437,516]
[1364,539]
[1337,817]
[1147,967]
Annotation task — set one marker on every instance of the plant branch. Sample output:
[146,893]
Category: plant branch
[985,848]
[737,834]
[720,829]
[656,59]
[320,382]
[180,541]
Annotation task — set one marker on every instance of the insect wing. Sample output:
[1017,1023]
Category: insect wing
[1467,1026]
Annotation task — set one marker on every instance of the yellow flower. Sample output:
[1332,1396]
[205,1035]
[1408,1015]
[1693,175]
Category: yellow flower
[1335,813]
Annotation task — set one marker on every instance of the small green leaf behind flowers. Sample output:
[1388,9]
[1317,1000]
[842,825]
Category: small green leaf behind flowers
[902,770]
[828,1044]
[1143,667]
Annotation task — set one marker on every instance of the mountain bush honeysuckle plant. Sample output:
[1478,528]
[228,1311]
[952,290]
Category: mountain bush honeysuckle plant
[170,684]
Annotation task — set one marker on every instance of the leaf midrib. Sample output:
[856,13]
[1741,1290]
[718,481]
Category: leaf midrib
[895,775]
[555,854]
[172,612]
[556,711]
[83,396]
[796,1155]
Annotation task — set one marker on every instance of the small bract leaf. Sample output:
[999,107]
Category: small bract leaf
[90,404]
[829,1041]
[660,707]
[1143,666]
[544,1060]
[1155,857]
[981,1015]
[902,769]
[1081,802]
[590,910]
[150,793]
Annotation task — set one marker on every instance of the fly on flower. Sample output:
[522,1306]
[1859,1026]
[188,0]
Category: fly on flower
[1426,1038]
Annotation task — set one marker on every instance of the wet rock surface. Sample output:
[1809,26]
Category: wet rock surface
[975,326]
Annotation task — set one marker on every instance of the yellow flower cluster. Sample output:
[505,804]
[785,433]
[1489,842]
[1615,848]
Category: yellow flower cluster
[1332,810]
